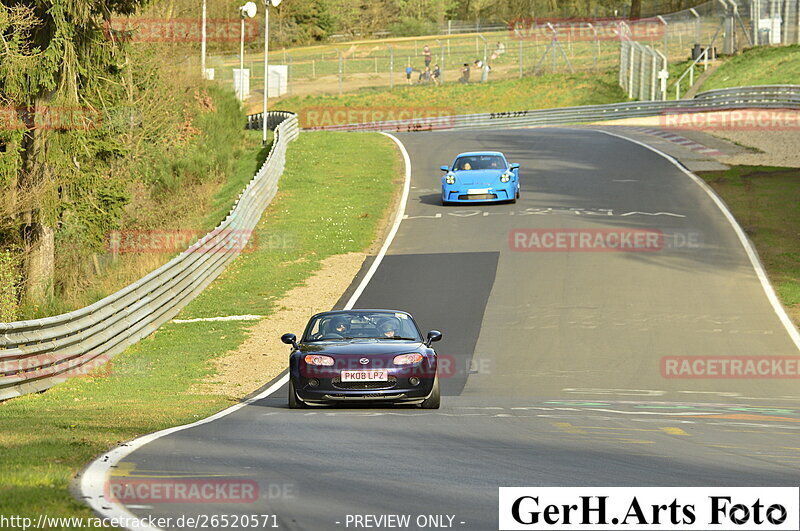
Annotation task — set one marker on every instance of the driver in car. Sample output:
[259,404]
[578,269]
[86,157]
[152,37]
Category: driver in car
[389,328]
[340,325]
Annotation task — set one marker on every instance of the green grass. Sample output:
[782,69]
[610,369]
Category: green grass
[766,202]
[541,92]
[47,438]
[763,65]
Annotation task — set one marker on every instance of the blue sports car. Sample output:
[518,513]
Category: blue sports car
[480,176]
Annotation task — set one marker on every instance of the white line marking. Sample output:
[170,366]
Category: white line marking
[94,478]
[748,246]
[653,214]
[435,216]
[223,318]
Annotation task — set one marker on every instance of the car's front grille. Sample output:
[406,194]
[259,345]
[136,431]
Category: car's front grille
[477,197]
[337,383]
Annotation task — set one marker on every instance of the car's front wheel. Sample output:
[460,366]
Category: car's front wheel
[433,401]
[294,402]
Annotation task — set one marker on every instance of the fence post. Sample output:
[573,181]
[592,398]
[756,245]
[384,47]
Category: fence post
[341,71]
[696,24]
[666,34]
[313,69]
[595,48]
[441,58]
[391,67]
[290,76]
[631,63]
[653,76]
[642,72]
[520,57]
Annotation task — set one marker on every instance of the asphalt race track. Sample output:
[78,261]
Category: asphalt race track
[553,373]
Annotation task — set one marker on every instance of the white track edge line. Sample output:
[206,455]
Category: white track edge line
[752,254]
[397,220]
[93,481]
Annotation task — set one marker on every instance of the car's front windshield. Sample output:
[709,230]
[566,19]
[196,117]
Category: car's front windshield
[338,326]
[479,162]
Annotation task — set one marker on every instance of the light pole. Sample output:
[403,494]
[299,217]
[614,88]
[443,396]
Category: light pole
[203,43]
[266,68]
[247,10]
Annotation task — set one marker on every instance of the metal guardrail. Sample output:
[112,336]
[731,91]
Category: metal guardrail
[778,96]
[37,354]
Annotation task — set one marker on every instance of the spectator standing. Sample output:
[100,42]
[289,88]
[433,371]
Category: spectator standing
[426,54]
[409,71]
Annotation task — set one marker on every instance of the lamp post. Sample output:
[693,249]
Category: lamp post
[247,10]
[266,68]
[203,43]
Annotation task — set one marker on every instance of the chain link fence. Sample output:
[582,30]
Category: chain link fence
[699,35]
[642,71]
[519,48]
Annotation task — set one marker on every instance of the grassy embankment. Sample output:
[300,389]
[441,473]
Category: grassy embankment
[46,438]
[541,92]
[764,65]
[765,199]
[766,203]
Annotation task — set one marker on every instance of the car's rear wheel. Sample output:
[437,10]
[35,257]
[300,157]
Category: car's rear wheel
[294,402]
[432,402]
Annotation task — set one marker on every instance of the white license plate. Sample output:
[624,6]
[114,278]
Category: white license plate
[476,191]
[370,375]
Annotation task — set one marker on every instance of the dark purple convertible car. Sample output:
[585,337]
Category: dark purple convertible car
[361,356]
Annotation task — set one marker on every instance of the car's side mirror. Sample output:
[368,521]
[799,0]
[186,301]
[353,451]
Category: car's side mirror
[290,339]
[514,165]
[444,168]
[433,335]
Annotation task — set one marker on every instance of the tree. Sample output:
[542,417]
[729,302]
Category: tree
[55,60]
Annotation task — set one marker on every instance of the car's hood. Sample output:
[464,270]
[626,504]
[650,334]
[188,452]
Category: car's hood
[478,176]
[360,347]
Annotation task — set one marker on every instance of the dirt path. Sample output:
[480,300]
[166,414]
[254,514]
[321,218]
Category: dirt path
[262,356]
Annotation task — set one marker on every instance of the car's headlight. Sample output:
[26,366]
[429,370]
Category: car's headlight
[316,359]
[450,179]
[408,359]
[505,178]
